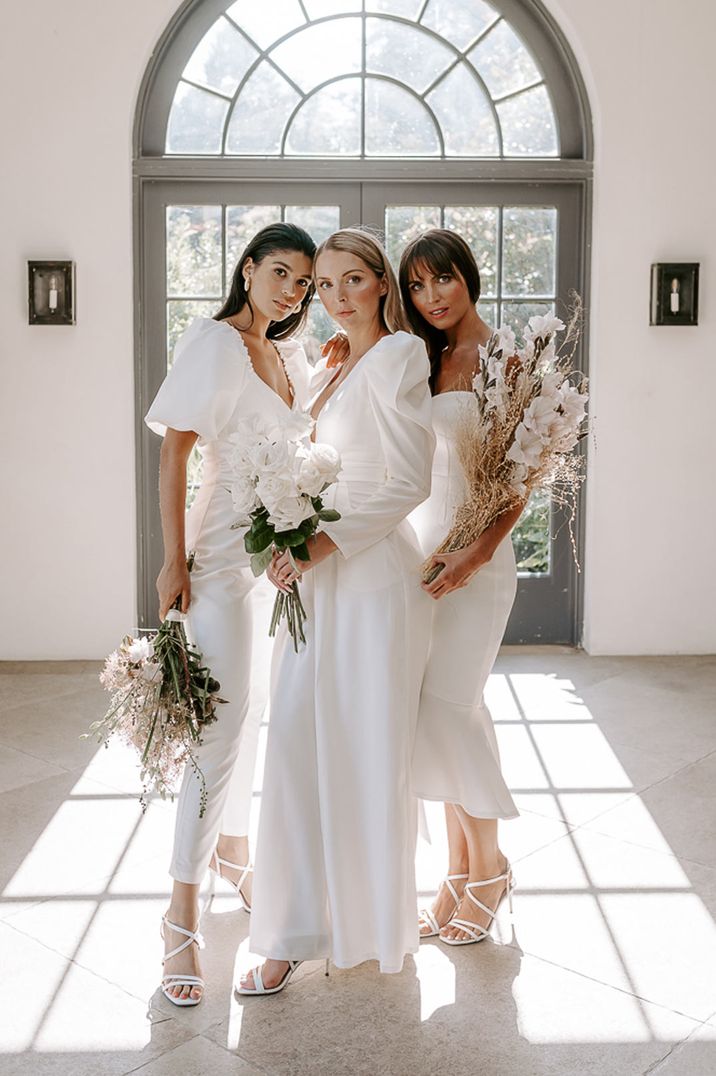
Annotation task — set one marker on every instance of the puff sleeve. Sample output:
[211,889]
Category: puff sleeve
[202,388]
[401,402]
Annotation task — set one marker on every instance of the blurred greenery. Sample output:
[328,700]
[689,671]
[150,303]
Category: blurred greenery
[531,538]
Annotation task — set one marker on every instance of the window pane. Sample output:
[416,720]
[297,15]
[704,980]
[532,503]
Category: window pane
[478,226]
[405,222]
[465,115]
[405,53]
[221,59]
[319,221]
[321,52]
[529,243]
[528,127]
[318,9]
[488,313]
[503,61]
[516,315]
[193,250]
[181,314]
[242,224]
[196,121]
[329,122]
[260,113]
[319,328]
[253,18]
[460,21]
[396,124]
[530,538]
[407,8]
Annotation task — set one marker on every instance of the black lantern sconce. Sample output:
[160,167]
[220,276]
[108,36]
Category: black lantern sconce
[51,293]
[674,293]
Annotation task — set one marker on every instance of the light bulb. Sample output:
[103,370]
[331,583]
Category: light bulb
[52,300]
[674,296]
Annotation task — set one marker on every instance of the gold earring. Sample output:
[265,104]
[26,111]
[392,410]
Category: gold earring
[296,308]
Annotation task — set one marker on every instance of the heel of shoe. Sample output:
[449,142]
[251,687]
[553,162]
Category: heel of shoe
[328,964]
[510,887]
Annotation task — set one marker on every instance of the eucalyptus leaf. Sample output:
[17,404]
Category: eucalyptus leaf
[260,561]
[329,515]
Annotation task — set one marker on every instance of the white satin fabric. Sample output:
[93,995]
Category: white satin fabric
[456,757]
[209,389]
[335,854]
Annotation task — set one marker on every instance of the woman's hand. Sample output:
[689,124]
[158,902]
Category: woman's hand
[458,569]
[281,570]
[337,349]
[173,582]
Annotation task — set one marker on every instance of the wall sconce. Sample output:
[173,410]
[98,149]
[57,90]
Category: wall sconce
[674,293]
[51,293]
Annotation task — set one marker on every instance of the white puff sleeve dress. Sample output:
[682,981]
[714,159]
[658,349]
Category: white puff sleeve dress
[210,387]
[335,854]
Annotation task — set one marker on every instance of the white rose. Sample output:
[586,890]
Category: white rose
[288,513]
[272,488]
[318,469]
[243,496]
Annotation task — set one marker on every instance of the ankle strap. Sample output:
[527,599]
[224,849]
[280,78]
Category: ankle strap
[192,937]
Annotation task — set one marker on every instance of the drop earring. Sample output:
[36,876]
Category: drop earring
[247,284]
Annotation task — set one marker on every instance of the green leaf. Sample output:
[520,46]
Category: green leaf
[256,540]
[260,561]
[329,515]
[300,552]
[291,539]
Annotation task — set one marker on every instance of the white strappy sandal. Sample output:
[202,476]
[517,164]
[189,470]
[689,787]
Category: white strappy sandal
[259,987]
[427,917]
[171,982]
[217,863]
[479,933]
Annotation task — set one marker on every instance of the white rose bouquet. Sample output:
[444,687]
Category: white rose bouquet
[162,697]
[520,427]
[279,477]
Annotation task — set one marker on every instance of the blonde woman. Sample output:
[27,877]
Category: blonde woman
[334,860]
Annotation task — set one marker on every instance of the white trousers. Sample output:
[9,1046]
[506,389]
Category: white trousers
[228,622]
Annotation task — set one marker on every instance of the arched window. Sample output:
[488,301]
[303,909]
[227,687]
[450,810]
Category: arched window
[397,114]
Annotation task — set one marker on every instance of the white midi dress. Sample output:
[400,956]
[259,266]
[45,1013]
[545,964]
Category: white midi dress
[209,389]
[334,864]
[456,758]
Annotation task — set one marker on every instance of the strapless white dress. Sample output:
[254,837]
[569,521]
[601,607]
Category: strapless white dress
[456,758]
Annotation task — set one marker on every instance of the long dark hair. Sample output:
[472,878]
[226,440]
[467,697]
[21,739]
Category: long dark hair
[269,240]
[441,252]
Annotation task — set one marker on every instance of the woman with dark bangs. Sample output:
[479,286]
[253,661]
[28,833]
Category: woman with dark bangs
[456,758]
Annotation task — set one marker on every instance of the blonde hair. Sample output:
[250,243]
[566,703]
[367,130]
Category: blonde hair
[365,246]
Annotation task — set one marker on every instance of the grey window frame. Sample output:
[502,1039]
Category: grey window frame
[156,174]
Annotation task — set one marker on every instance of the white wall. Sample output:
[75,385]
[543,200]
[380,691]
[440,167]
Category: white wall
[67,559]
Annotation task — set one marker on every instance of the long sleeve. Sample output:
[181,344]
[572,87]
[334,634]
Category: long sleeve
[203,386]
[400,398]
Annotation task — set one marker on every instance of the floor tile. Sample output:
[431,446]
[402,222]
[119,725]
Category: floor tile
[199,1056]
[694,1057]
[18,769]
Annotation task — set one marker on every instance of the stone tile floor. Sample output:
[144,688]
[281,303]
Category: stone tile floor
[608,966]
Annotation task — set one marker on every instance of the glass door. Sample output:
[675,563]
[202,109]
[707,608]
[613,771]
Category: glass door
[194,234]
[526,241]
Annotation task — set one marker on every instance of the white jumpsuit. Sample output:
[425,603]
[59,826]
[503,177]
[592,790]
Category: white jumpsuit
[456,757]
[335,853]
[209,389]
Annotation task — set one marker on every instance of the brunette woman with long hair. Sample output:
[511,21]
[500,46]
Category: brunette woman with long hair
[456,758]
[226,369]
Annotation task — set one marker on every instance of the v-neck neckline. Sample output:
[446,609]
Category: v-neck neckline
[247,354]
[345,381]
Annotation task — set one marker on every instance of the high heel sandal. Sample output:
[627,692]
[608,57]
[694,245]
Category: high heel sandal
[259,987]
[427,916]
[171,982]
[217,863]
[477,932]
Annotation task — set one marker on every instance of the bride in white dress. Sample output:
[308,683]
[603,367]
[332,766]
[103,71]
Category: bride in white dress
[335,852]
[456,758]
[225,369]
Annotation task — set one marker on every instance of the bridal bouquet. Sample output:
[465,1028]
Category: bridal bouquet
[162,697]
[518,432]
[279,476]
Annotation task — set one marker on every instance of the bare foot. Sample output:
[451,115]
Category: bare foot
[489,895]
[272,972]
[443,907]
[184,963]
